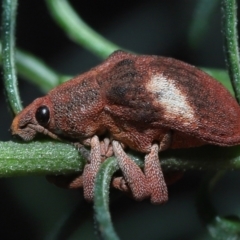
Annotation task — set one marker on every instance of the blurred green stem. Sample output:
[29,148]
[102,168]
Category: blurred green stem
[37,72]
[101,199]
[9,8]
[230,33]
[78,30]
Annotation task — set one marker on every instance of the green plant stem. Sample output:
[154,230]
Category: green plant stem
[101,199]
[50,157]
[8,45]
[78,30]
[229,28]
[38,158]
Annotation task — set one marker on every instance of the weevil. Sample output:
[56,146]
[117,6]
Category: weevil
[146,103]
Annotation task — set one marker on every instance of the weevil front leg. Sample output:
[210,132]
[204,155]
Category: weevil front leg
[99,151]
[151,184]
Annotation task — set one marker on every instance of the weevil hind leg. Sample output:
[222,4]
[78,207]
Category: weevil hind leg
[155,178]
[91,169]
[133,175]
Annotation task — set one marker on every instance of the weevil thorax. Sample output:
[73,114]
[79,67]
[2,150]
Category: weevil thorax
[77,106]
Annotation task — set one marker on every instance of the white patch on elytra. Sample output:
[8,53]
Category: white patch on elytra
[171,99]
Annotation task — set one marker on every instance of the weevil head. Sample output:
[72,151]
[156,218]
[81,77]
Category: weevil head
[35,118]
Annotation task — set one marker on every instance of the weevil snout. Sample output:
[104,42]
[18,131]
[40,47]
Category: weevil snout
[21,130]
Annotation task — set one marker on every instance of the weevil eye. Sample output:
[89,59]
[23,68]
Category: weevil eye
[42,115]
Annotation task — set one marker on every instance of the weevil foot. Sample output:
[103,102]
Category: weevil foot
[120,184]
[155,178]
[91,169]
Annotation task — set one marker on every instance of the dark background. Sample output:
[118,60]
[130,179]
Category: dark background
[30,207]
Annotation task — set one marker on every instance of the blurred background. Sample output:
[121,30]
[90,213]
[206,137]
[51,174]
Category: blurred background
[32,208]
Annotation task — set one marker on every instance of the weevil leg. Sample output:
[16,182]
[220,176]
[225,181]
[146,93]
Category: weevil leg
[82,150]
[120,184]
[91,169]
[153,181]
[74,181]
[132,173]
[154,175]
[106,148]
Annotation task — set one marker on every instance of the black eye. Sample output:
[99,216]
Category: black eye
[42,115]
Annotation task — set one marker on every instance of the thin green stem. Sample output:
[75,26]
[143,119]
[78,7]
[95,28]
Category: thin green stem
[202,158]
[101,199]
[229,27]
[78,30]
[8,55]
[37,72]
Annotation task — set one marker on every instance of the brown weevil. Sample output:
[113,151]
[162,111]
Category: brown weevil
[146,103]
